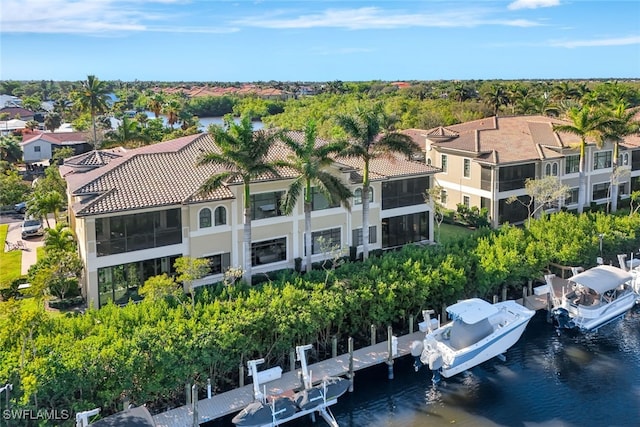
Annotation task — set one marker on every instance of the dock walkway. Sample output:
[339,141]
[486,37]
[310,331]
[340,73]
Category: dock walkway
[234,401]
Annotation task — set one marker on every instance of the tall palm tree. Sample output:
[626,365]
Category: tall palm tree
[621,123]
[586,123]
[172,109]
[60,238]
[155,103]
[42,203]
[92,98]
[243,157]
[367,142]
[495,97]
[310,161]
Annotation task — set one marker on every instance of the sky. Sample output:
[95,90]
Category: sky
[317,40]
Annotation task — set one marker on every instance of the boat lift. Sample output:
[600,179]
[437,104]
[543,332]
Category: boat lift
[259,378]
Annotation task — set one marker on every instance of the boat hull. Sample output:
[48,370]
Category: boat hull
[588,319]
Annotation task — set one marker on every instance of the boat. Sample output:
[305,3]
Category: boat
[478,332]
[274,410]
[596,297]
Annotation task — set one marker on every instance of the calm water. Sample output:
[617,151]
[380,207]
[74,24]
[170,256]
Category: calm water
[547,380]
[206,121]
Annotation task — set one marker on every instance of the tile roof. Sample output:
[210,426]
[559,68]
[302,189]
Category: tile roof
[60,138]
[505,139]
[166,174]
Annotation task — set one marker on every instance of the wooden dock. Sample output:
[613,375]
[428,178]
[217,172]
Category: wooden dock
[234,401]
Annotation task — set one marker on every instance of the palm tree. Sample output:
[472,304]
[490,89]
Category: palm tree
[368,143]
[586,123]
[310,160]
[156,102]
[42,203]
[172,109]
[621,123]
[495,96]
[10,150]
[62,106]
[243,156]
[60,238]
[52,121]
[92,98]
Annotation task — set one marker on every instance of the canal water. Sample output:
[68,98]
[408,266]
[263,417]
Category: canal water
[548,380]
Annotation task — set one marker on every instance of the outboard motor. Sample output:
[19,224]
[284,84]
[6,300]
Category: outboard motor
[416,352]
[562,320]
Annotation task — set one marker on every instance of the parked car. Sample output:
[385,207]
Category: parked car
[20,207]
[32,227]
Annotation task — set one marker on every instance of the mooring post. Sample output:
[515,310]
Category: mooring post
[524,296]
[410,324]
[292,359]
[549,306]
[495,299]
[334,347]
[241,375]
[351,373]
[194,405]
[504,293]
[390,352]
[530,287]
[208,388]
[373,334]
[187,391]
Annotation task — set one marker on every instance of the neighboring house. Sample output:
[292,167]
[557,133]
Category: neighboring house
[484,162]
[10,126]
[10,101]
[18,113]
[39,146]
[135,212]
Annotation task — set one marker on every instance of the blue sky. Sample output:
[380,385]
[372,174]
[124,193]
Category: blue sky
[316,40]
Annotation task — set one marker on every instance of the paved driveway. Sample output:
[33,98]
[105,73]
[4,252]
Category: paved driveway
[29,256]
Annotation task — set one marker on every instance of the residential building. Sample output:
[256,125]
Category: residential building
[485,162]
[135,212]
[38,147]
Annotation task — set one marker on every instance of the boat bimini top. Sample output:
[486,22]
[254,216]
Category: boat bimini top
[471,311]
[602,278]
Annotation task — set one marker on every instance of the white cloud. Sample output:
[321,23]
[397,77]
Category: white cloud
[376,18]
[532,4]
[620,41]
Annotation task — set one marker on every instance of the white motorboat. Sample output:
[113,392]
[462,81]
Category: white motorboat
[478,332]
[596,297]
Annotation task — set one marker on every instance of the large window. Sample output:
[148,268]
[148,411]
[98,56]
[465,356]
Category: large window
[136,232]
[357,196]
[635,183]
[466,168]
[266,205]
[320,202]
[600,191]
[119,283]
[551,169]
[400,230]
[325,240]
[513,177]
[405,192]
[572,164]
[205,218]
[635,160]
[443,162]
[357,235]
[268,251]
[513,212]
[572,197]
[623,159]
[485,178]
[220,215]
[220,263]
[602,160]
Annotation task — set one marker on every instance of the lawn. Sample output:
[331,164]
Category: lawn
[10,262]
[450,232]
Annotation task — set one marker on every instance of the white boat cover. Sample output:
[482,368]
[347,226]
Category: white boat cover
[602,278]
[471,311]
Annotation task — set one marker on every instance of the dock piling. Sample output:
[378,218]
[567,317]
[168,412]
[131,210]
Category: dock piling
[187,391]
[292,360]
[373,334]
[389,352]
[410,323]
[194,405]
[241,375]
[334,347]
[208,388]
[351,373]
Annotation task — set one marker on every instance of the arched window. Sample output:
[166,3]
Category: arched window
[205,218]
[547,169]
[221,215]
[357,196]
[623,159]
[554,169]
